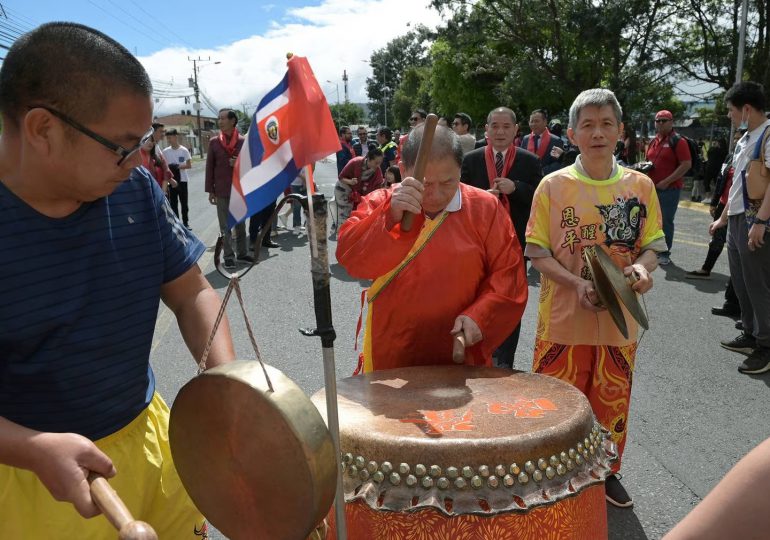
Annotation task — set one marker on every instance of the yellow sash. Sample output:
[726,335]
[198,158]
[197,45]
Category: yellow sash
[428,230]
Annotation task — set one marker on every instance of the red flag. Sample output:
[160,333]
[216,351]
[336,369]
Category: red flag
[317,136]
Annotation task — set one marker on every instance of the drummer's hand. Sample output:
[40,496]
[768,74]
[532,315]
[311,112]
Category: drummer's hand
[505,185]
[588,298]
[643,278]
[407,197]
[469,328]
[62,462]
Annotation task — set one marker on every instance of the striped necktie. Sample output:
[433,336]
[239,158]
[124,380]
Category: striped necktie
[537,142]
[499,164]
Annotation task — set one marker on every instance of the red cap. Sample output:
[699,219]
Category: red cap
[664,114]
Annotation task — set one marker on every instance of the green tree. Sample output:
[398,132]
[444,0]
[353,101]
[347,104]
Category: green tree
[346,113]
[542,54]
[389,65]
[413,92]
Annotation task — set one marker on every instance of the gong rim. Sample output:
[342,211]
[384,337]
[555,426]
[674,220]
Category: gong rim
[258,464]
[622,287]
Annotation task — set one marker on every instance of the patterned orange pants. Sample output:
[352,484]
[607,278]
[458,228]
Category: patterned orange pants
[602,372]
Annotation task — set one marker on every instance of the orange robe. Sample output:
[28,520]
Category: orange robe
[472,265]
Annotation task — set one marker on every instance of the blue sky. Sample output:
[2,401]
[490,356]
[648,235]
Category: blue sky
[146,27]
[248,39]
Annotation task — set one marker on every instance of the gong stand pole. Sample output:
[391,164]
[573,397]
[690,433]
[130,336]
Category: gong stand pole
[319,268]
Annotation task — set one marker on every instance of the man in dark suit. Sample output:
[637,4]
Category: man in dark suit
[541,141]
[511,173]
[363,145]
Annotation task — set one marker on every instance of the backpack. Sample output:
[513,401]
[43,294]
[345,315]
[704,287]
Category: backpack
[695,154]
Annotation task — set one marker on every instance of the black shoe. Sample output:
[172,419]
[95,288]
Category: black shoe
[229,264]
[739,326]
[615,493]
[757,362]
[744,344]
[726,311]
[187,226]
[270,244]
[697,274]
[246,258]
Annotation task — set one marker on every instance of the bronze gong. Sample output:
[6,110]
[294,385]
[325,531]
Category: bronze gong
[257,463]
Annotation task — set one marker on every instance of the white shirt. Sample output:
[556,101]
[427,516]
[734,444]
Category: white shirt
[180,156]
[744,152]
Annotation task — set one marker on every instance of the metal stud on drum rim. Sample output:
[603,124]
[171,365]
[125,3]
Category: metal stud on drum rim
[232,441]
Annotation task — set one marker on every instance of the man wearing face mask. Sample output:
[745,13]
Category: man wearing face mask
[671,158]
[746,216]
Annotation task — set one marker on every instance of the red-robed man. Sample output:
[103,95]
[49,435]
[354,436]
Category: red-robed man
[459,268]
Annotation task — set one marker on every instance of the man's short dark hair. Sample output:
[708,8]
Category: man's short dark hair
[230,114]
[374,153]
[746,93]
[156,125]
[344,129]
[70,67]
[421,113]
[464,119]
[540,111]
[171,131]
[385,132]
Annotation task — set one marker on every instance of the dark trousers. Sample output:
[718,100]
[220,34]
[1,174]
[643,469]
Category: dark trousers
[259,221]
[717,243]
[750,273]
[175,196]
[506,352]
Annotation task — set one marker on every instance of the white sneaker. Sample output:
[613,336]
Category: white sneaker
[298,231]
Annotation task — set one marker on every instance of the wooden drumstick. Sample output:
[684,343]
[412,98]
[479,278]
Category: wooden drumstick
[116,512]
[429,128]
[458,348]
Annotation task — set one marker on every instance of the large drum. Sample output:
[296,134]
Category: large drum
[460,452]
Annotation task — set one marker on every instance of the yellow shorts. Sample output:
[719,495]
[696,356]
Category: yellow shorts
[146,481]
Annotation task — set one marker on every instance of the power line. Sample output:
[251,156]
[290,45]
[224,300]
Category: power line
[122,21]
[164,24]
[18,15]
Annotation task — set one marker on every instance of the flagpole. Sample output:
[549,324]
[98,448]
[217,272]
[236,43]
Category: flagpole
[319,268]
[322,302]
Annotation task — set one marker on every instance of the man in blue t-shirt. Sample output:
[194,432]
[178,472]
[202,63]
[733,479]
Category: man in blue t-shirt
[90,248]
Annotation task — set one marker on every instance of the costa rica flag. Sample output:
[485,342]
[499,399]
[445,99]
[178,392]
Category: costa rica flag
[292,127]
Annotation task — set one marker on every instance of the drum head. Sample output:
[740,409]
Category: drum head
[257,464]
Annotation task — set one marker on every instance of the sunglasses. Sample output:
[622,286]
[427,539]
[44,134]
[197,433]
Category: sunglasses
[117,149]
[662,120]
[413,119]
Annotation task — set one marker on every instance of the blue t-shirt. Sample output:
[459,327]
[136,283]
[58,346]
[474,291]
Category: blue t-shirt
[80,297]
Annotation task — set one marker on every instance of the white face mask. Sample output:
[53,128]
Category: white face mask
[744,120]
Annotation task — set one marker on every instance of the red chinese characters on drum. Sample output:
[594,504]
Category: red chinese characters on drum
[438,422]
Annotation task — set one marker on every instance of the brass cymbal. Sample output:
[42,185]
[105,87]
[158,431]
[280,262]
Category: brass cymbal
[621,284]
[604,289]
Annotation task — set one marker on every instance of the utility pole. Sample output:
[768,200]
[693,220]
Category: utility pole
[345,80]
[194,85]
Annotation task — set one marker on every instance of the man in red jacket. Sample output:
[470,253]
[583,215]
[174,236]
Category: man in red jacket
[223,151]
[458,270]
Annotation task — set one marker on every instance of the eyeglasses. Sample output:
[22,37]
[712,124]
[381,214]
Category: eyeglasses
[413,119]
[117,149]
[662,120]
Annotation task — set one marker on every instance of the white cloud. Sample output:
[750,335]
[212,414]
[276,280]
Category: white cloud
[335,36]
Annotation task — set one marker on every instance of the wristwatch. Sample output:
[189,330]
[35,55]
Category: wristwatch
[761,221]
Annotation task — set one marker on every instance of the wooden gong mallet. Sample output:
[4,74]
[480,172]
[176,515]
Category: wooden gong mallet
[429,128]
[116,512]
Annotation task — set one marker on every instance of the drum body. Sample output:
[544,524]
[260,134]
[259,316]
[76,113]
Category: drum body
[470,452]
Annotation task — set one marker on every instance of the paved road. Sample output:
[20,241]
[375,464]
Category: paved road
[692,414]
